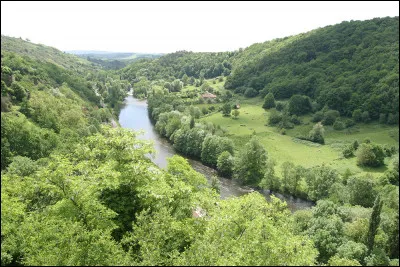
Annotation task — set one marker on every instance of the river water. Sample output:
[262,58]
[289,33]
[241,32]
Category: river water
[134,116]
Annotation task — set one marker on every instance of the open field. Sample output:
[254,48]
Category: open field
[287,147]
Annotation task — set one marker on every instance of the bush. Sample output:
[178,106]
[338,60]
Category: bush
[349,123]
[225,164]
[269,101]
[371,155]
[362,190]
[299,104]
[240,90]
[393,118]
[330,117]
[357,115]
[295,120]
[317,134]
[365,117]
[355,145]
[274,117]
[250,92]
[348,152]
[318,116]
[338,125]
[382,118]
[280,105]
[22,166]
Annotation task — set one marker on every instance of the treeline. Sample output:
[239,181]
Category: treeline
[175,65]
[349,67]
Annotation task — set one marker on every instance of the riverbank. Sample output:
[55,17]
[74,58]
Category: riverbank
[134,116]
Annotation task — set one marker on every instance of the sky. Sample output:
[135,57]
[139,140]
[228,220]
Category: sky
[164,27]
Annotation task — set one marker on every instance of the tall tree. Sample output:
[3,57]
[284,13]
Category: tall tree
[374,221]
[269,101]
[251,162]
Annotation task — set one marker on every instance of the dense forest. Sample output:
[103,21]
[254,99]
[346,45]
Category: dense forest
[76,191]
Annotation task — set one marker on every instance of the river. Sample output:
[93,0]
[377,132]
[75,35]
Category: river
[134,116]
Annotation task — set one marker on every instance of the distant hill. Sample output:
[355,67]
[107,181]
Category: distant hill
[112,60]
[42,53]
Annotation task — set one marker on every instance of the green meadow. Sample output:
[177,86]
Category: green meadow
[253,118]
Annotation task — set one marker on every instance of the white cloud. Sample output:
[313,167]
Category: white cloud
[171,26]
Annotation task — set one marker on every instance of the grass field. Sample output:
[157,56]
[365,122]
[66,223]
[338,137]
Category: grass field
[287,147]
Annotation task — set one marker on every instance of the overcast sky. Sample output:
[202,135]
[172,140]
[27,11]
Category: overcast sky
[162,27]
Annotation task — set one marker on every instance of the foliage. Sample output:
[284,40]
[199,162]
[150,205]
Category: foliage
[269,101]
[374,223]
[348,66]
[326,229]
[213,146]
[292,177]
[225,164]
[317,134]
[226,109]
[362,190]
[299,105]
[235,113]
[319,181]
[250,162]
[245,226]
[370,155]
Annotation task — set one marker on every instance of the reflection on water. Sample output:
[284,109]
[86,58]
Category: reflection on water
[134,116]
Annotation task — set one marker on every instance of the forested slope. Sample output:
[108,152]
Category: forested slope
[348,66]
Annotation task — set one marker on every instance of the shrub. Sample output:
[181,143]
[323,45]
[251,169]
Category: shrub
[250,92]
[348,152]
[330,117]
[370,155]
[338,125]
[274,117]
[318,116]
[317,134]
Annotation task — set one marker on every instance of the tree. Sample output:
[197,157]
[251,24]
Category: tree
[330,117]
[369,154]
[299,104]
[18,91]
[250,163]
[292,176]
[245,226]
[192,122]
[319,181]
[337,261]
[374,223]
[270,180]
[317,134]
[250,92]
[362,190]
[225,164]
[235,113]
[185,79]
[269,101]
[213,146]
[353,251]
[365,117]
[326,229]
[226,109]
[176,85]
[357,115]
